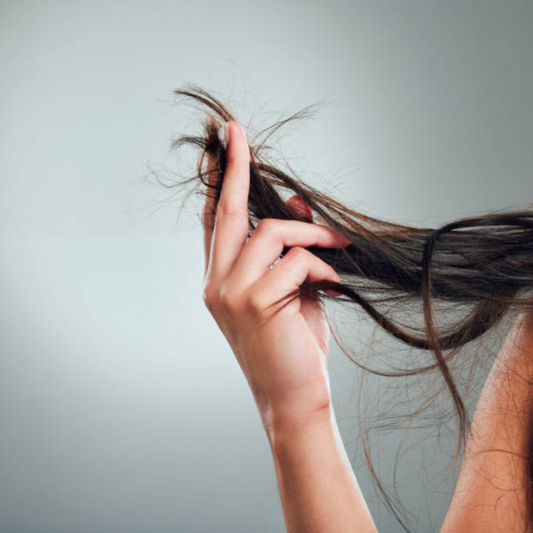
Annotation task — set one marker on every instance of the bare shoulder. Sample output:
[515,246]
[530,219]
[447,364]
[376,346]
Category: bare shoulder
[492,492]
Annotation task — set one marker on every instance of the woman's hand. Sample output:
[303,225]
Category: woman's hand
[282,350]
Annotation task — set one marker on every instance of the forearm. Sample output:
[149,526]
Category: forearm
[318,489]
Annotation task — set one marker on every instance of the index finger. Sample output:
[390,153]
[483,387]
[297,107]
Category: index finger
[231,221]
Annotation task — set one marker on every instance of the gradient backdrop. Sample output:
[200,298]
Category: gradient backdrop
[122,409]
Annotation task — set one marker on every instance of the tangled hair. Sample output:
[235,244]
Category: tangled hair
[483,264]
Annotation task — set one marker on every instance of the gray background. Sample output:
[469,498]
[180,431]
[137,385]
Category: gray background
[121,406]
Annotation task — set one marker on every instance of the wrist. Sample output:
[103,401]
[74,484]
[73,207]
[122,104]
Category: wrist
[318,488]
[298,408]
[286,425]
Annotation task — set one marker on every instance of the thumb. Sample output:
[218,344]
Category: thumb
[303,212]
[300,209]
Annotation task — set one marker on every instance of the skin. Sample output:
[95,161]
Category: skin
[490,494]
[283,355]
[283,352]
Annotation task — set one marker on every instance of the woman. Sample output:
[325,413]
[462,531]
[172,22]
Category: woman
[282,348]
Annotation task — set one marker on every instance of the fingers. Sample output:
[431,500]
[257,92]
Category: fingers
[288,274]
[266,245]
[209,207]
[231,222]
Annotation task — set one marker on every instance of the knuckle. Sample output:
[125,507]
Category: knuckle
[299,254]
[268,225]
[255,304]
[226,209]
[227,300]
[209,297]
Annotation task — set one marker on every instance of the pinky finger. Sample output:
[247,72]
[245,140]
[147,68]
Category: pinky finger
[295,267]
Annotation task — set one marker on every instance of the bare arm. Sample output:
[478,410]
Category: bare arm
[281,348]
[491,490]
[318,489]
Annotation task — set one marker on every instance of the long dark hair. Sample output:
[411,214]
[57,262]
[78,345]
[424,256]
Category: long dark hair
[480,264]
